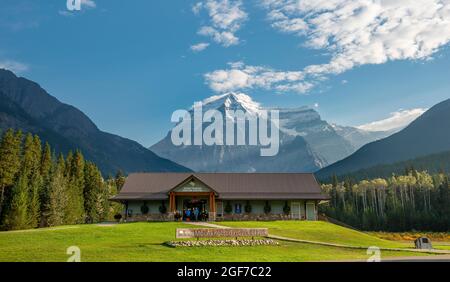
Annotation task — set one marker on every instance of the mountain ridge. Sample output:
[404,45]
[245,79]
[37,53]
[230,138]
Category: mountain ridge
[307,143]
[420,138]
[27,106]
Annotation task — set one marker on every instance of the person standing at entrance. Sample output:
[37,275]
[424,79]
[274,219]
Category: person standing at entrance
[188,214]
[196,211]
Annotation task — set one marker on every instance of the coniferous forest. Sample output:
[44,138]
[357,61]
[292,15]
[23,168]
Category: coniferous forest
[415,200]
[40,189]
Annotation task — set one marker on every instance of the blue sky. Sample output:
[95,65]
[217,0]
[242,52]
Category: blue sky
[129,64]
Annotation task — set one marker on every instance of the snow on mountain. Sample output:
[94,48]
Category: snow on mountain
[307,143]
[230,101]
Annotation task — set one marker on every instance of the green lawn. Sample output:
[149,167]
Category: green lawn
[320,231]
[144,242]
[441,246]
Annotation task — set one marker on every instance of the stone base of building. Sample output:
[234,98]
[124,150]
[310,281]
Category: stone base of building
[253,217]
[150,217]
[213,217]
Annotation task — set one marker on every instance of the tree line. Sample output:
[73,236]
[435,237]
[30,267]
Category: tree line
[40,189]
[414,200]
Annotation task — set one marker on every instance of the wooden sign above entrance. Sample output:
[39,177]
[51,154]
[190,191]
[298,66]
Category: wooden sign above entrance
[191,189]
[183,233]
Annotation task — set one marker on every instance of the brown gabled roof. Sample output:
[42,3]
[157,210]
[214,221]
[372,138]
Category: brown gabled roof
[156,186]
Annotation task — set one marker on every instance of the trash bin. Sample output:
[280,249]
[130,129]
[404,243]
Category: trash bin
[423,243]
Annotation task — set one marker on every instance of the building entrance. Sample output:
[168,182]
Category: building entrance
[195,209]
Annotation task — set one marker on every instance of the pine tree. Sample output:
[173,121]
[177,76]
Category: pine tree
[37,152]
[34,211]
[18,215]
[29,161]
[75,170]
[120,180]
[45,170]
[10,150]
[58,198]
[46,161]
[30,168]
[94,194]
[113,207]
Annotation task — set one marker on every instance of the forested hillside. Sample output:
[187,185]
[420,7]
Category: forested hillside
[432,163]
[412,201]
[39,189]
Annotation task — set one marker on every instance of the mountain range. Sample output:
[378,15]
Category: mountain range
[307,143]
[426,135]
[25,105]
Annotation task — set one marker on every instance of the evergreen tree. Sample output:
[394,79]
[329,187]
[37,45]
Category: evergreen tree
[415,200]
[75,176]
[58,198]
[34,211]
[113,207]
[120,180]
[94,194]
[45,170]
[46,161]
[18,215]
[38,191]
[10,150]
[30,160]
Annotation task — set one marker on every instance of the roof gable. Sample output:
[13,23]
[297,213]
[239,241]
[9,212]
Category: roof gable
[192,184]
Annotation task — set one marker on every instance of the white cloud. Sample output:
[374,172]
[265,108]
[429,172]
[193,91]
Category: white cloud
[241,76]
[397,120]
[225,19]
[361,32]
[88,3]
[13,66]
[199,47]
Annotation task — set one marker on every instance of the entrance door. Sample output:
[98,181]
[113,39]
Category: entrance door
[296,210]
[310,211]
[195,209]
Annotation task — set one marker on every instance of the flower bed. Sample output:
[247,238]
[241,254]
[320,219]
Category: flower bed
[222,243]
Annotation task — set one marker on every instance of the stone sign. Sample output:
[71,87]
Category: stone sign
[183,233]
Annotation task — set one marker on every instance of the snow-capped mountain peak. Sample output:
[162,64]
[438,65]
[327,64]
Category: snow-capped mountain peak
[230,101]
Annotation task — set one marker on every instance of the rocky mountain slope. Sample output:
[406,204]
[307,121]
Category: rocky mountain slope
[25,105]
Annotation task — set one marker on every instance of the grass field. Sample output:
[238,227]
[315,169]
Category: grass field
[322,232]
[144,242]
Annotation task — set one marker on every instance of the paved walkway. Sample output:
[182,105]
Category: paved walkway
[357,247]
[435,258]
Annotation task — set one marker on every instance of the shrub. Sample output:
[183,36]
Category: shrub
[286,208]
[117,217]
[144,209]
[228,208]
[163,208]
[267,208]
[248,207]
